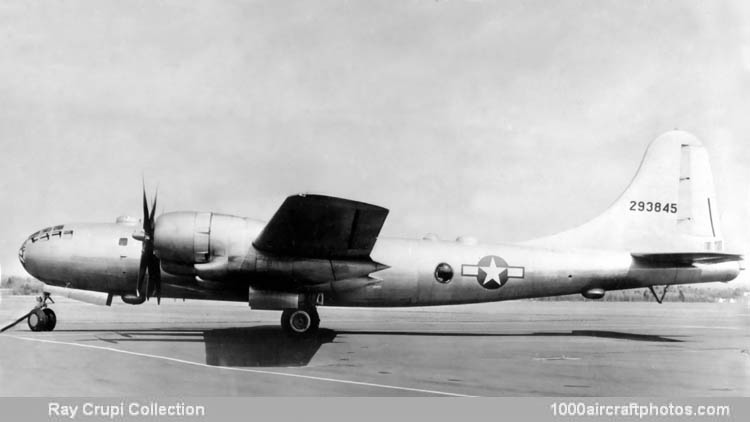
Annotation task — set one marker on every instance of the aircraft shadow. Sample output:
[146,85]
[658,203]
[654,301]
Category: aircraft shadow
[573,333]
[274,334]
[270,346]
[262,346]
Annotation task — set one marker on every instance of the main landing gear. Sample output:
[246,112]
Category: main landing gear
[301,321]
[41,318]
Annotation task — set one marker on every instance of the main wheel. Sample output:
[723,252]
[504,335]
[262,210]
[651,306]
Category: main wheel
[37,320]
[300,321]
[51,319]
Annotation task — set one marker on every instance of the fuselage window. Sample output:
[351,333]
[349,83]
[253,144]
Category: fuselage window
[123,241]
[443,273]
[67,234]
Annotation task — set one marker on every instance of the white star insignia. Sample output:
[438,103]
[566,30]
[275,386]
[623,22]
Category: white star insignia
[493,272]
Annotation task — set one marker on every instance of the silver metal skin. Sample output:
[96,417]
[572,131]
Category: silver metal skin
[93,259]
[325,251]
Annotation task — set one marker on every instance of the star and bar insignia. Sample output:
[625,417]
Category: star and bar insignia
[492,272]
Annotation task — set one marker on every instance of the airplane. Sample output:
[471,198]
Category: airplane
[319,250]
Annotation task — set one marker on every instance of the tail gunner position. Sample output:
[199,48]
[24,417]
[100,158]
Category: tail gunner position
[318,250]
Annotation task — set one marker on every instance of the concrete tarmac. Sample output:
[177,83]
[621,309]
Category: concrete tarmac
[520,348]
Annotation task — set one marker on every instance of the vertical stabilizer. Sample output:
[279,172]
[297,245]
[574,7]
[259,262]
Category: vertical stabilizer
[669,206]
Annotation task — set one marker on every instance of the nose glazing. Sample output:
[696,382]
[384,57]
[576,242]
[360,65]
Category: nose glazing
[22,252]
[25,252]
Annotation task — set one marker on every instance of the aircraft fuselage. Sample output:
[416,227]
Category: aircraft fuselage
[105,258]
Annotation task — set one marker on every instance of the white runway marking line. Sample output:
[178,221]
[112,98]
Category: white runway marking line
[228,368]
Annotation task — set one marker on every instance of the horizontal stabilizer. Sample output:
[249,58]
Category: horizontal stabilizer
[316,226]
[687,258]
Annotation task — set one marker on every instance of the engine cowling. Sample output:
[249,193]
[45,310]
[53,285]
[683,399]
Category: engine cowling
[202,242]
[183,237]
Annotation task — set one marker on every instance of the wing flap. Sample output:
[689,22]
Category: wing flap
[317,226]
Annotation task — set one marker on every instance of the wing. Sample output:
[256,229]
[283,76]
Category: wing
[687,258]
[316,226]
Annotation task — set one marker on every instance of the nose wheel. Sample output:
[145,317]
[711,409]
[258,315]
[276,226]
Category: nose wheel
[42,319]
[299,322]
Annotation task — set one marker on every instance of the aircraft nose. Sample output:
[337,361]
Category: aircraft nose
[22,252]
[28,252]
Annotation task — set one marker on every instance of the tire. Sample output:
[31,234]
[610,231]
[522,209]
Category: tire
[285,315]
[51,319]
[37,320]
[298,322]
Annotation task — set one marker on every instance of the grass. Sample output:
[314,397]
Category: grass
[22,285]
[674,294]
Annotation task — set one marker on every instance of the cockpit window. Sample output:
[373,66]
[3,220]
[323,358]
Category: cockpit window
[60,227]
[57,233]
[67,234]
[46,230]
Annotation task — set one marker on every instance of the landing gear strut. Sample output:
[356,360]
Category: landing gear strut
[658,298]
[300,321]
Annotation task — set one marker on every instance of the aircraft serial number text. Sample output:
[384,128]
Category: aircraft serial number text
[670,207]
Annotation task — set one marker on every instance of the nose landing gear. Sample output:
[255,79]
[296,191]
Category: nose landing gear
[41,318]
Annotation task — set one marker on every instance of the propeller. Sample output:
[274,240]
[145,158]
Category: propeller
[149,271]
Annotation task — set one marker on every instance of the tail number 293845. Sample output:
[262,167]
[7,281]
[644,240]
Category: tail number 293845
[647,206]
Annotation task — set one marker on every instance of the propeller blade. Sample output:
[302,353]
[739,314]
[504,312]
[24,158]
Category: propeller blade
[149,263]
[145,209]
[155,272]
[141,270]
[153,212]
[143,267]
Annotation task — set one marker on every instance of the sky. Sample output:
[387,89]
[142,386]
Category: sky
[503,120]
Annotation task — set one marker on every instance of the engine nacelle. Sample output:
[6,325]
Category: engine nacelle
[183,237]
[202,241]
[213,247]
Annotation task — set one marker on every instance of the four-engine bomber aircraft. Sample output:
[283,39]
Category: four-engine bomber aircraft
[324,251]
